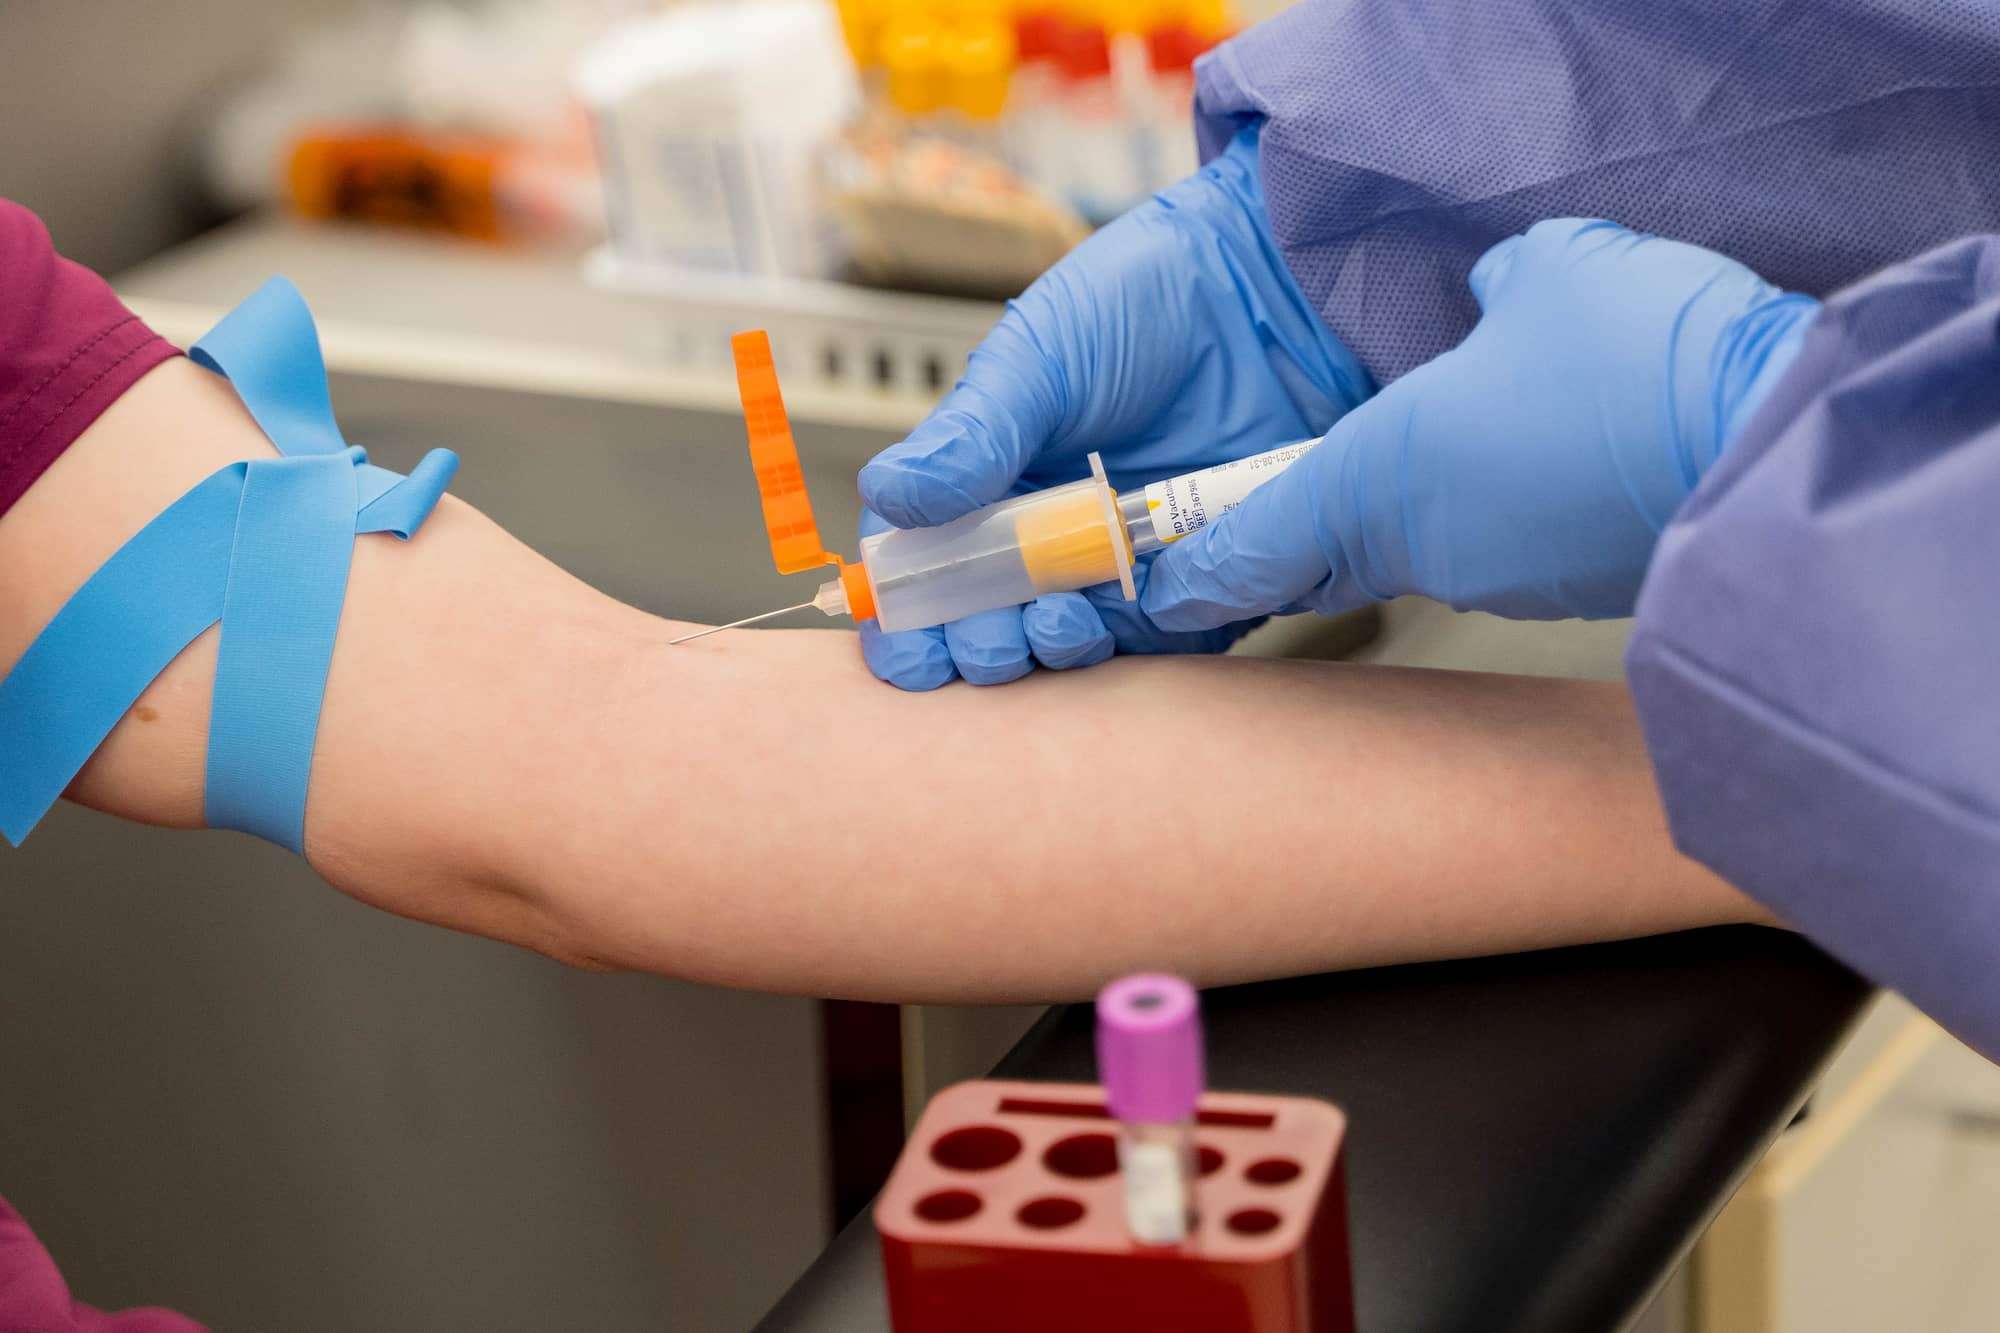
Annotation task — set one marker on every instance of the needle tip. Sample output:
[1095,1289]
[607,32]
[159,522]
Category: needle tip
[748,620]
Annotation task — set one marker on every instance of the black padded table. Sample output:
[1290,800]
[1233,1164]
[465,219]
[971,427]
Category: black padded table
[1535,1141]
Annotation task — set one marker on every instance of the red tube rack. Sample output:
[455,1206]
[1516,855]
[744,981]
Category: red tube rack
[1006,1213]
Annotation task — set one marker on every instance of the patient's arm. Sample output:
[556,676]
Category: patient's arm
[504,750]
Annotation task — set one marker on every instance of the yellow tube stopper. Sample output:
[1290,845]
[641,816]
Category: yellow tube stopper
[1073,537]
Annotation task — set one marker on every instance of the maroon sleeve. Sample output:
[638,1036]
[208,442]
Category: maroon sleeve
[67,350]
[34,1296]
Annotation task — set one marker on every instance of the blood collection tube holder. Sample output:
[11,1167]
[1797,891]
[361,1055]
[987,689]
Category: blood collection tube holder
[1006,1213]
[1002,554]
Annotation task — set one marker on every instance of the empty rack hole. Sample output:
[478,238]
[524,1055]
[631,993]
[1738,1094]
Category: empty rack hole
[976,1148]
[1082,1156]
[1252,1221]
[1273,1171]
[1210,1160]
[1049,1213]
[948,1206]
[1236,1119]
[1099,1111]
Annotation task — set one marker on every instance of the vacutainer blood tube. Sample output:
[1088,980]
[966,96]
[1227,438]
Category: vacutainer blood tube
[1149,1058]
[1056,540]
[1004,554]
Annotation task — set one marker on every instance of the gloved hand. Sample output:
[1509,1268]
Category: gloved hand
[1174,339]
[1529,470]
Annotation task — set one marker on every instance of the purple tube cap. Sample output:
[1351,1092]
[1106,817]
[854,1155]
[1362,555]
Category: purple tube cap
[1149,1048]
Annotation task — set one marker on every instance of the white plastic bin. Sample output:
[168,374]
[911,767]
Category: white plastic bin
[707,118]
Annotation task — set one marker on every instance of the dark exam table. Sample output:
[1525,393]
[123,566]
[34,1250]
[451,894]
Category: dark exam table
[1536,1140]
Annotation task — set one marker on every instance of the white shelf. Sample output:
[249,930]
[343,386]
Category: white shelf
[438,310]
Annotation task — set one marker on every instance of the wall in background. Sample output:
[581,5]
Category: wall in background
[101,101]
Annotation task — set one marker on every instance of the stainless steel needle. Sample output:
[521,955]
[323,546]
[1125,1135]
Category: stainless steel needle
[717,629]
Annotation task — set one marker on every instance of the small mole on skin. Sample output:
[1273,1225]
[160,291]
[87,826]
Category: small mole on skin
[146,714]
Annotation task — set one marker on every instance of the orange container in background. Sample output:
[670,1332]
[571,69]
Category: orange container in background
[400,176]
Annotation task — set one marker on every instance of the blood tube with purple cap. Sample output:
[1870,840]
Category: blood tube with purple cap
[1149,1059]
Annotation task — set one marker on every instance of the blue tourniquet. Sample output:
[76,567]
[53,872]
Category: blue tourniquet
[263,547]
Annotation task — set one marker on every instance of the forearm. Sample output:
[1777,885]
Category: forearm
[504,750]
[798,827]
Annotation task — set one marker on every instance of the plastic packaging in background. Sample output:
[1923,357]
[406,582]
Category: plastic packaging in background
[708,118]
[386,174]
[477,186]
[457,117]
[1103,163]
[1034,119]
[1089,101]
[937,214]
[501,67]
[1170,54]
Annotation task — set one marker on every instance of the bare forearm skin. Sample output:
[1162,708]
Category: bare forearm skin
[506,751]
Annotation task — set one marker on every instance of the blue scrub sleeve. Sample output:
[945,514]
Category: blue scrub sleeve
[1817,659]
[1816,141]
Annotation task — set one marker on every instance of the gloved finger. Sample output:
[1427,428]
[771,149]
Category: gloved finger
[1490,273]
[974,446]
[1258,558]
[1546,241]
[1135,632]
[915,660]
[990,648]
[1064,631]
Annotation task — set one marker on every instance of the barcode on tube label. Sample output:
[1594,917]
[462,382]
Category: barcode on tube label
[1181,505]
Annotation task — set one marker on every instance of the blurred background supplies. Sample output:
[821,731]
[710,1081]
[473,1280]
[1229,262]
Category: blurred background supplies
[448,117]
[928,213]
[472,185]
[955,147]
[709,119]
[1089,101]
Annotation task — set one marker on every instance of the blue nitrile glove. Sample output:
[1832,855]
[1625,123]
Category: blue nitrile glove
[1529,470]
[1172,340]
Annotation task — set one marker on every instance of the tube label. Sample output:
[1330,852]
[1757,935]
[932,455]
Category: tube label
[1156,1192]
[1180,505]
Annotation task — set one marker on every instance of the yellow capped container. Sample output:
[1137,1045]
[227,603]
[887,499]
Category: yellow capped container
[912,49]
[979,62]
[980,11]
[860,28]
[1212,20]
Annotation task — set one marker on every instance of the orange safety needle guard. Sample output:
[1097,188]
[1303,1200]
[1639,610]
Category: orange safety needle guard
[781,483]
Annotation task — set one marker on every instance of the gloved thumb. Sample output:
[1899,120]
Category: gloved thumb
[973,448]
[1261,557]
